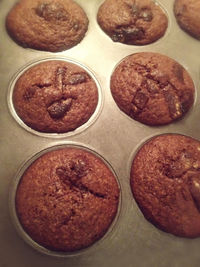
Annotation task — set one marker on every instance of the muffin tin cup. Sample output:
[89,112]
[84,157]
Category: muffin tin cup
[163,37]
[78,130]
[156,231]
[13,213]
[184,66]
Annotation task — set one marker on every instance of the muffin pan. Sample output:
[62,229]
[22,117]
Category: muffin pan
[116,137]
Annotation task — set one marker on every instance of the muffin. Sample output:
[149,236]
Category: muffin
[187,14]
[134,22]
[152,88]
[165,181]
[55,96]
[67,199]
[50,25]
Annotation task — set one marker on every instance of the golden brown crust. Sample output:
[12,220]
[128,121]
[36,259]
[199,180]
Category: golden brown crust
[55,96]
[165,181]
[152,88]
[136,22]
[47,25]
[187,13]
[67,199]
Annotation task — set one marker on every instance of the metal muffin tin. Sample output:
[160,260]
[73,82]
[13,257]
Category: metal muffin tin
[116,137]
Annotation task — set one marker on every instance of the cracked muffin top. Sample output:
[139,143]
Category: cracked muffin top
[67,199]
[152,88]
[165,181]
[187,14]
[135,22]
[55,97]
[49,25]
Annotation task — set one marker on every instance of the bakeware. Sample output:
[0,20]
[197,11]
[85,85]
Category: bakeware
[134,241]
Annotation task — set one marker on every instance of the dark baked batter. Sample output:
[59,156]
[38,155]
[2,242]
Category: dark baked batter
[152,88]
[187,13]
[165,181]
[50,25]
[137,22]
[67,199]
[55,97]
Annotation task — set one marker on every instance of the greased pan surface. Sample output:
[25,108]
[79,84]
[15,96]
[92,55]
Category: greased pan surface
[116,137]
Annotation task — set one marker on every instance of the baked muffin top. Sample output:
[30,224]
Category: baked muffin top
[67,199]
[152,88]
[49,25]
[135,22]
[55,96]
[165,181]
[187,14]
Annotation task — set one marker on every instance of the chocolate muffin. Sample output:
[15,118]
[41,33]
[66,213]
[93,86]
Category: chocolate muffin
[135,22]
[152,88]
[165,181]
[187,14]
[49,25]
[67,199]
[55,96]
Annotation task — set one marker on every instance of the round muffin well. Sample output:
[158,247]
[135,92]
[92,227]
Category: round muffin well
[67,199]
[55,96]
[152,88]
[187,14]
[165,182]
[50,25]
[133,22]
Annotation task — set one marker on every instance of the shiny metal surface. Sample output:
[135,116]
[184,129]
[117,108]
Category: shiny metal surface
[134,241]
